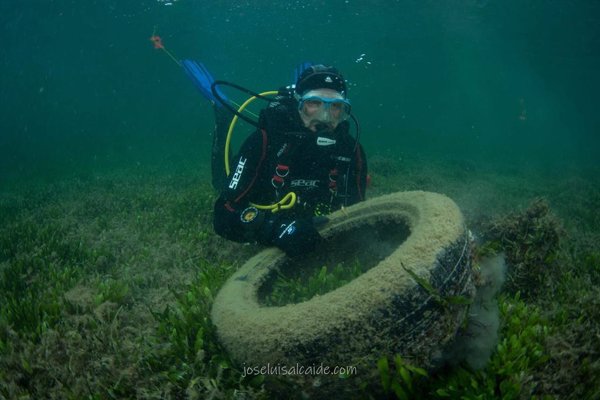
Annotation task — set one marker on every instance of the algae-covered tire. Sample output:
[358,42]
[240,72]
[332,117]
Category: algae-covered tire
[405,303]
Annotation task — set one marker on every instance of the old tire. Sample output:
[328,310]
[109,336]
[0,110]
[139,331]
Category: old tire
[399,306]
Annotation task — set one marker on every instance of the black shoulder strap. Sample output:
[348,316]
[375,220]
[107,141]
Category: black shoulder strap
[280,116]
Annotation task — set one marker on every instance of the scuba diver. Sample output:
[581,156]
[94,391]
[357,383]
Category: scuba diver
[300,163]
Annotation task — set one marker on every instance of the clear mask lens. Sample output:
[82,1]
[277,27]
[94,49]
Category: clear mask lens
[324,109]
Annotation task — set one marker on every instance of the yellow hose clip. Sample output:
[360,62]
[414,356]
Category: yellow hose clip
[288,201]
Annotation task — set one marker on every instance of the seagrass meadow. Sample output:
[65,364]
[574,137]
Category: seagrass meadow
[107,282]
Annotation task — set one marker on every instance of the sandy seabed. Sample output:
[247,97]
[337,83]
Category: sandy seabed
[95,270]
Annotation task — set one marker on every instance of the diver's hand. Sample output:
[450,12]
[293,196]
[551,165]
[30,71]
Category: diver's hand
[295,237]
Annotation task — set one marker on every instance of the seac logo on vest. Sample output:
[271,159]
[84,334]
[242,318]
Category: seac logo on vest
[238,173]
[312,183]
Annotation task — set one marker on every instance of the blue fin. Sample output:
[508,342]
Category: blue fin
[300,68]
[202,79]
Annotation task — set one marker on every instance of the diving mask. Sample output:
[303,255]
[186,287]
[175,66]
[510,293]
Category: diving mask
[316,108]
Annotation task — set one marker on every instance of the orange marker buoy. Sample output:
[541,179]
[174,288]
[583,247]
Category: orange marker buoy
[158,44]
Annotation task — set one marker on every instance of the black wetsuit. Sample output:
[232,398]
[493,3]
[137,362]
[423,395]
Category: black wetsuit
[325,170]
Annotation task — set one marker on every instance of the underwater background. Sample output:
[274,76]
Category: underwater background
[509,82]
[105,201]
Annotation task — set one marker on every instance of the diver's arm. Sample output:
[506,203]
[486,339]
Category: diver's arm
[234,217]
[294,236]
[245,224]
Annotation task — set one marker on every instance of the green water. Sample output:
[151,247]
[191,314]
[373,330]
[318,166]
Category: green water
[108,259]
[81,87]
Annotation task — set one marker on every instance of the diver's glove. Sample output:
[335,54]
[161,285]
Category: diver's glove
[294,237]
